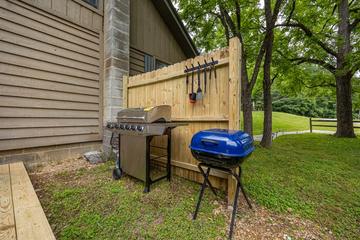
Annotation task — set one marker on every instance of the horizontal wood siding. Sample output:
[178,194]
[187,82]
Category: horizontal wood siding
[83,15]
[137,64]
[50,88]
[150,34]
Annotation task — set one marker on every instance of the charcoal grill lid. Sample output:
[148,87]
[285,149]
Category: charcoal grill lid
[230,143]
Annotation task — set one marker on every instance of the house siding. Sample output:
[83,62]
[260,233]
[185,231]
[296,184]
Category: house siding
[149,34]
[50,73]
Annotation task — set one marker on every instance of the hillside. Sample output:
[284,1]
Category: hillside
[281,122]
[285,122]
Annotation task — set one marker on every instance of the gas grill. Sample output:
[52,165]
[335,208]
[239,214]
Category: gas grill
[135,128]
[224,150]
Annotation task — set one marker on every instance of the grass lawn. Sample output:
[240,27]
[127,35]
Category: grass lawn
[88,204]
[281,122]
[286,122]
[314,176]
[309,176]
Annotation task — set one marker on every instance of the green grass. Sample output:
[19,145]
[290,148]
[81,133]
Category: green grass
[281,122]
[88,204]
[285,122]
[314,176]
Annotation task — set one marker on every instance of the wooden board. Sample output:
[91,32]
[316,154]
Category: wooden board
[31,222]
[234,100]
[7,222]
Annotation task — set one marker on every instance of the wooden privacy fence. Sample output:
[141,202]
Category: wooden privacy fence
[219,108]
[326,122]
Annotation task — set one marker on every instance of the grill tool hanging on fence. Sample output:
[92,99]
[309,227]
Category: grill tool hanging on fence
[192,95]
[187,80]
[199,94]
[205,80]
[213,67]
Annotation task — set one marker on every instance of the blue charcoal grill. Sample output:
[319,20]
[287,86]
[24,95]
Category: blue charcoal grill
[224,150]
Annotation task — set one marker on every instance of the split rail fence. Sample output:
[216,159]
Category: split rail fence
[328,123]
[219,108]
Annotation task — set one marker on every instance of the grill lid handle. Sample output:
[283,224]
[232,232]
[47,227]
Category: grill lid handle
[209,142]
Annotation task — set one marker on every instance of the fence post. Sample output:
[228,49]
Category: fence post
[125,91]
[234,100]
[311,130]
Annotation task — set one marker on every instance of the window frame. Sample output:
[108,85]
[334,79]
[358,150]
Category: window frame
[96,5]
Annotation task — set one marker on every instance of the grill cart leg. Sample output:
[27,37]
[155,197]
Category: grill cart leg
[203,186]
[168,164]
[238,178]
[147,166]
[117,171]
[235,206]
[207,179]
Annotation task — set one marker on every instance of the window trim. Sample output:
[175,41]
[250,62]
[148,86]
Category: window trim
[98,10]
[94,6]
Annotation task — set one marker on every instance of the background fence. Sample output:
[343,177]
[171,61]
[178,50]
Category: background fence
[220,107]
[328,123]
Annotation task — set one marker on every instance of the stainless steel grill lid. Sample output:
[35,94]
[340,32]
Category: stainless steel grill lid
[161,113]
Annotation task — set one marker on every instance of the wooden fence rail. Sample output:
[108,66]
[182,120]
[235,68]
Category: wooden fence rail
[219,108]
[327,120]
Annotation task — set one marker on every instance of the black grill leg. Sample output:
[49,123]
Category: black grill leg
[235,205]
[207,179]
[168,163]
[147,166]
[243,190]
[203,186]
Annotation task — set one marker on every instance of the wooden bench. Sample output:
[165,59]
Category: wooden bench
[21,214]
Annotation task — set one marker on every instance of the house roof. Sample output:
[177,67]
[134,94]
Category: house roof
[176,26]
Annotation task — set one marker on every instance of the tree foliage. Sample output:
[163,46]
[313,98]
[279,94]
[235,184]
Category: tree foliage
[316,47]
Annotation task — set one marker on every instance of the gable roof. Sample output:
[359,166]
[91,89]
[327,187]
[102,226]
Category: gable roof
[172,19]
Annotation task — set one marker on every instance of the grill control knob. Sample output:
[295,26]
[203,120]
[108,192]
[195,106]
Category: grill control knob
[117,126]
[133,127]
[127,127]
[140,128]
[122,126]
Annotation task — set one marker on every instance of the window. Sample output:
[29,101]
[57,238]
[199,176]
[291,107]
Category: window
[159,64]
[93,3]
[151,63]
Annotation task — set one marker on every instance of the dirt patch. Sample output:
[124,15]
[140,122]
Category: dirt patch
[66,165]
[261,223]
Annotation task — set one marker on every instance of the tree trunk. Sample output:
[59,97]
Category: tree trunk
[343,75]
[345,126]
[246,95]
[247,110]
[266,140]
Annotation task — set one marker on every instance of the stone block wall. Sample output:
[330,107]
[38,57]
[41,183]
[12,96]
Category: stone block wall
[35,156]
[116,51]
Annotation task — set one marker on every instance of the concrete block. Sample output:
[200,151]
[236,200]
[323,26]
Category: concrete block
[20,158]
[123,5]
[57,155]
[78,152]
[118,63]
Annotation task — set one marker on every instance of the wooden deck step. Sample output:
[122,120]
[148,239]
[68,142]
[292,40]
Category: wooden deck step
[21,215]
[7,223]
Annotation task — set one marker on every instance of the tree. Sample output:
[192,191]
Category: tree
[233,19]
[270,19]
[332,42]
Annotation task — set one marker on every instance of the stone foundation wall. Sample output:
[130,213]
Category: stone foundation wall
[37,156]
[117,51]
